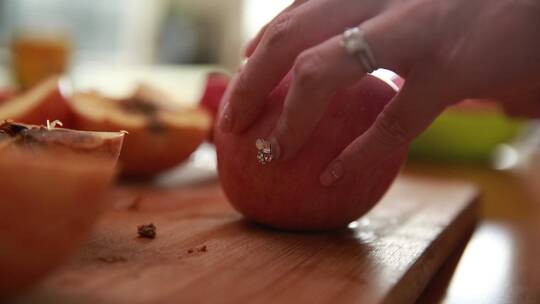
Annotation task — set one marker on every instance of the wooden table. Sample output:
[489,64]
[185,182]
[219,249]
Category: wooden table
[205,253]
[501,263]
[498,265]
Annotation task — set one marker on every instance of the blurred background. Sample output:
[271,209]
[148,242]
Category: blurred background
[112,45]
[139,31]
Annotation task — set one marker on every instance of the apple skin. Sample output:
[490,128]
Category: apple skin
[216,84]
[287,194]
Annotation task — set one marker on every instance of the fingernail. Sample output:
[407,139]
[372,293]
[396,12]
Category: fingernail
[225,123]
[332,174]
[276,148]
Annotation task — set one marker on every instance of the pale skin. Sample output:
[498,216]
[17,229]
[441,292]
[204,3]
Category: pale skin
[447,50]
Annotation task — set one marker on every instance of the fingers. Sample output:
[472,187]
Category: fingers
[282,41]
[253,43]
[320,71]
[409,113]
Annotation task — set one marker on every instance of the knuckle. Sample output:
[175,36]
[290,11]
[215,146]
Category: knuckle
[390,132]
[445,61]
[308,69]
[279,30]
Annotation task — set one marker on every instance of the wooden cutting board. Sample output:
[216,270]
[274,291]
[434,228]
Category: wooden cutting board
[206,253]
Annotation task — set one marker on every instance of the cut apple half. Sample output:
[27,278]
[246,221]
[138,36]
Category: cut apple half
[51,182]
[160,136]
[38,104]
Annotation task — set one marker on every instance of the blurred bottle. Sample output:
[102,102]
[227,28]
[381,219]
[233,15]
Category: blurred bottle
[35,56]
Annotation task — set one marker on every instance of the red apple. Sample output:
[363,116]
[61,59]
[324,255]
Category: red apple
[38,104]
[216,84]
[51,184]
[288,194]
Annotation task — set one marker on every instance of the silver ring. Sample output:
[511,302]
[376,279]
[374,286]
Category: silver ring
[355,44]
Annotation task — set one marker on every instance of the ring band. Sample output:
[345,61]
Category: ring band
[356,45]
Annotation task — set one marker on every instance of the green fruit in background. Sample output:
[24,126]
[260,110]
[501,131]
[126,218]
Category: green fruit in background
[468,132]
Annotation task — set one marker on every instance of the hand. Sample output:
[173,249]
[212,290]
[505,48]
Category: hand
[446,51]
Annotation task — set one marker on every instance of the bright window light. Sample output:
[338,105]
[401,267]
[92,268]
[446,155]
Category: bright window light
[259,12]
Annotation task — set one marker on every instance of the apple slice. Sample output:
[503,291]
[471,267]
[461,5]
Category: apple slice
[37,105]
[51,181]
[160,136]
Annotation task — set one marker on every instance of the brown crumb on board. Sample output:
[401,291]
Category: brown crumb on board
[199,249]
[147,231]
[112,259]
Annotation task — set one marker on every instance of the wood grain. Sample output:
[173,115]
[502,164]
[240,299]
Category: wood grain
[500,263]
[206,253]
